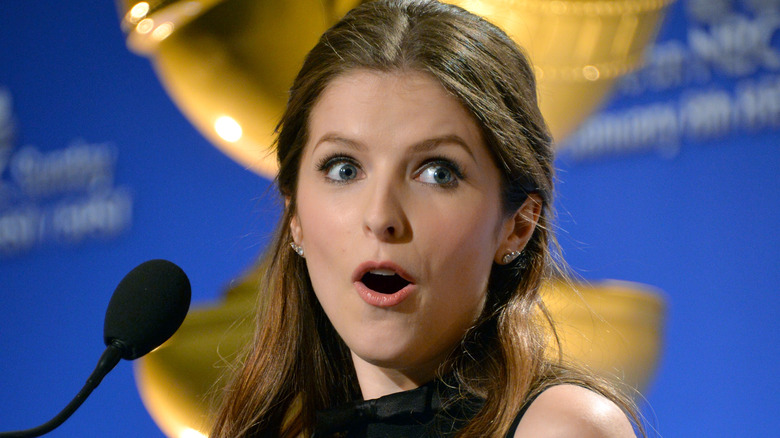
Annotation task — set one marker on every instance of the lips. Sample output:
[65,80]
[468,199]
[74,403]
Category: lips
[382,284]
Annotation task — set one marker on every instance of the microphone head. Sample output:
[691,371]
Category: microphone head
[147,307]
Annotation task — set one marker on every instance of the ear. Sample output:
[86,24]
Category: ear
[295,225]
[518,228]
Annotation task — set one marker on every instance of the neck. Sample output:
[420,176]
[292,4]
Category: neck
[376,381]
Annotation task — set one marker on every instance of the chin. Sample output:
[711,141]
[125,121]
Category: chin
[383,354]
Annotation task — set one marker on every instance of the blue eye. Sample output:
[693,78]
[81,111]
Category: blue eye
[340,170]
[441,174]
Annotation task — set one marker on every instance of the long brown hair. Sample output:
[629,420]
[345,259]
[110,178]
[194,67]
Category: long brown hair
[297,363]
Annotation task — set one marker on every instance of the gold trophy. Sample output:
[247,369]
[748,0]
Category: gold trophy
[227,64]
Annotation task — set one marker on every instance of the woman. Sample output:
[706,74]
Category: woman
[418,176]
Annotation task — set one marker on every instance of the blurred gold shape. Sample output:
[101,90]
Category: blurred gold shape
[579,48]
[230,60]
[178,381]
[615,328]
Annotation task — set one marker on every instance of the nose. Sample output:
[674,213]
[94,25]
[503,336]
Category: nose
[384,216]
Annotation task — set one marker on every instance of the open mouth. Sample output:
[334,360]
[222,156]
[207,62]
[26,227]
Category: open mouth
[384,281]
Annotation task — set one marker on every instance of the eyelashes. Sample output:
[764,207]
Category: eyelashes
[437,171]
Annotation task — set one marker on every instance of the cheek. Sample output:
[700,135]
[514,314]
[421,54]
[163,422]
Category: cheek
[469,239]
[462,249]
[327,236]
[326,225]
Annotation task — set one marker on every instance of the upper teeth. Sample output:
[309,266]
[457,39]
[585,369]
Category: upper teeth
[382,272]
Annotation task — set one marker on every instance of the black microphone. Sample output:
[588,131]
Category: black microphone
[147,307]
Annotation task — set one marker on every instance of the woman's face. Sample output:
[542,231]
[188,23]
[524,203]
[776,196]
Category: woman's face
[399,214]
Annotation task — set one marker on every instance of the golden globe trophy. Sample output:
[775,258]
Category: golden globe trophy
[227,64]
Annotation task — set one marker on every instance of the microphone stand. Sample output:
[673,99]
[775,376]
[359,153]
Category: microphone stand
[107,362]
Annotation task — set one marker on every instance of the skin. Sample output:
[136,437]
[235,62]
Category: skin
[369,192]
[565,411]
[395,132]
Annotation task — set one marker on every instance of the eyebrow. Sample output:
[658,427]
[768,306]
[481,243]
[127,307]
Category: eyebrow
[335,138]
[423,146]
[432,143]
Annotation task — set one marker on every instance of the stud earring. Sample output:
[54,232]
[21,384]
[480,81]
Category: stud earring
[510,257]
[297,248]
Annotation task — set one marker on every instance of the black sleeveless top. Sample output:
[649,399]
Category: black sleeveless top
[417,413]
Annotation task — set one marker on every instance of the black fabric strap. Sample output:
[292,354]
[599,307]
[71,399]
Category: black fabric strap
[520,414]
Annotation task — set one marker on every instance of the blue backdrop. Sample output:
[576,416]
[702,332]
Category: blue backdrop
[673,184]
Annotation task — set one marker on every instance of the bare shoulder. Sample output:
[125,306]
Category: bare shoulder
[572,411]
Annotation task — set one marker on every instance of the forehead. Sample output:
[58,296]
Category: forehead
[400,77]
[391,104]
